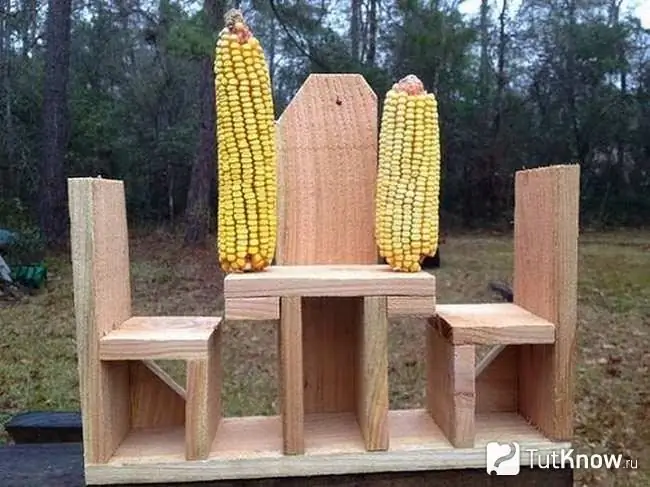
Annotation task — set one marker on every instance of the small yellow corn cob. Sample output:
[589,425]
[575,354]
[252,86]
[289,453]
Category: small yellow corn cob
[246,150]
[408,181]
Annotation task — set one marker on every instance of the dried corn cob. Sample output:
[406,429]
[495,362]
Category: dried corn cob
[246,150]
[408,183]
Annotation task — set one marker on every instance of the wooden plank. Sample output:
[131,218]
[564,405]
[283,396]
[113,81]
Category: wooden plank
[491,324]
[203,410]
[159,337]
[545,283]
[320,280]
[61,465]
[450,392]
[102,301]
[372,399]
[330,337]
[413,306]
[327,165]
[251,309]
[496,386]
[153,403]
[262,309]
[291,376]
[248,448]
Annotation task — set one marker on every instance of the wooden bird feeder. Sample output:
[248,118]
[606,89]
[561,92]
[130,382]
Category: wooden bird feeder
[332,301]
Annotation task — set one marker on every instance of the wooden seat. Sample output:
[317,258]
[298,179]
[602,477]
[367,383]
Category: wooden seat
[329,280]
[195,339]
[452,337]
[159,337]
[491,324]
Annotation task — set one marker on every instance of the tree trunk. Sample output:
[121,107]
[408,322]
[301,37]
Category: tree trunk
[198,211]
[484,69]
[355,30]
[371,52]
[53,212]
[498,153]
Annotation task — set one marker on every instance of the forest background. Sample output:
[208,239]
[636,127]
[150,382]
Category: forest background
[124,89]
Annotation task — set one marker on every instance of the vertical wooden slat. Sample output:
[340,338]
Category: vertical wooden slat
[330,337]
[291,377]
[203,408]
[451,398]
[545,283]
[372,403]
[102,301]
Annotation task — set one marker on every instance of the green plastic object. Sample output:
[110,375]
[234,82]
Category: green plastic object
[32,276]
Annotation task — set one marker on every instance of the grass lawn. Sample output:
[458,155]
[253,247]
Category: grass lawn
[37,336]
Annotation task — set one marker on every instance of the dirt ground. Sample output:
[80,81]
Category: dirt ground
[37,336]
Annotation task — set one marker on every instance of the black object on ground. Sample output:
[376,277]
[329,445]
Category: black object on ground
[432,262]
[502,290]
[61,465]
[45,427]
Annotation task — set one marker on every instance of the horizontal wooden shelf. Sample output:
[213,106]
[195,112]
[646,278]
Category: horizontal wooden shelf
[252,448]
[260,309]
[329,280]
[159,337]
[492,324]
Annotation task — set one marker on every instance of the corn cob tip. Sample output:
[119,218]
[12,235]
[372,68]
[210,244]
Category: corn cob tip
[232,17]
[410,84]
[236,24]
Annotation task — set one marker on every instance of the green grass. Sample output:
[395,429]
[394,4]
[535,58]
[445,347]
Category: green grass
[37,336]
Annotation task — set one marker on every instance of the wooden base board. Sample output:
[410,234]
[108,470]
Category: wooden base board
[61,465]
[252,448]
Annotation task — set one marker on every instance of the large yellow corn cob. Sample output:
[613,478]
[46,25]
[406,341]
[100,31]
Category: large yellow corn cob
[247,152]
[408,184]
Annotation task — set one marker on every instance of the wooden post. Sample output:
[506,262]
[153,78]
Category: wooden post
[327,173]
[102,299]
[203,409]
[372,401]
[450,390]
[545,283]
[291,376]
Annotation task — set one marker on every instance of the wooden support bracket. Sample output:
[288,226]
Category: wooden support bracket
[155,402]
